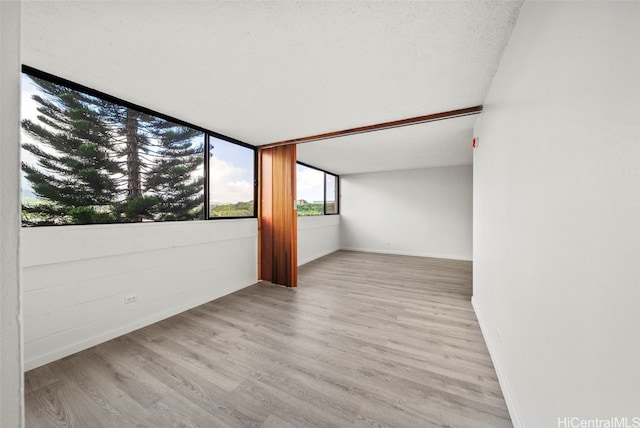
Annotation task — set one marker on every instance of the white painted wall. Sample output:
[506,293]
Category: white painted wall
[556,214]
[75,278]
[11,384]
[317,237]
[423,212]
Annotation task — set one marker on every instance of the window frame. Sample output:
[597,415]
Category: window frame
[337,193]
[207,164]
[324,183]
[34,72]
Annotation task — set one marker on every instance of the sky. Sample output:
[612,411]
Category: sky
[230,172]
[310,184]
[27,110]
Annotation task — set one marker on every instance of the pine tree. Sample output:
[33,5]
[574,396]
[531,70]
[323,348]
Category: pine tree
[161,163]
[130,141]
[174,177]
[75,172]
[103,162]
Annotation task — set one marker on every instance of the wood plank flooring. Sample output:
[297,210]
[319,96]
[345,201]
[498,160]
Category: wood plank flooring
[366,340]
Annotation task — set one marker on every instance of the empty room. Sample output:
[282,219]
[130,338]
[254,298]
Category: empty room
[281,214]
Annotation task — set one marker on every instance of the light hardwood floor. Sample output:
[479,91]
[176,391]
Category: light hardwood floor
[367,340]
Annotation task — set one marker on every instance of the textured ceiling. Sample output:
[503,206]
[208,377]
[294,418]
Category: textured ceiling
[433,144]
[269,71]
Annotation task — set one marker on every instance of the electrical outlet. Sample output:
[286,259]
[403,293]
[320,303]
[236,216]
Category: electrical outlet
[131,299]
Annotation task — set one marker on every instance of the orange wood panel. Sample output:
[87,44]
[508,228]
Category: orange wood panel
[278,217]
[265,217]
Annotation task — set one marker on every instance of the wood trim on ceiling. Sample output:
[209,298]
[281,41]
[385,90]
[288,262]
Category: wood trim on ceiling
[380,126]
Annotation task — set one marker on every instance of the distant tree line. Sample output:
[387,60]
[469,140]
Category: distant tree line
[100,162]
[310,209]
[239,209]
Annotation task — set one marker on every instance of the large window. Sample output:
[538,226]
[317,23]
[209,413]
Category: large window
[317,191]
[231,179]
[91,158]
[330,194]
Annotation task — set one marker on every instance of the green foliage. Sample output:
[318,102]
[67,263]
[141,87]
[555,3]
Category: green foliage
[171,176]
[240,209]
[89,215]
[139,208]
[310,209]
[73,147]
[38,213]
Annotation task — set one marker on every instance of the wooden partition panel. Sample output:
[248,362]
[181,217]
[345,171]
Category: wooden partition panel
[278,220]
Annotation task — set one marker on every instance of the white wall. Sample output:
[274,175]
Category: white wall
[75,278]
[317,237]
[423,212]
[556,214]
[11,392]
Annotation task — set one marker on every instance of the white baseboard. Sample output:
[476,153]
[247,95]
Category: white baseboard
[54,355]
[411,253]
[502,377]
